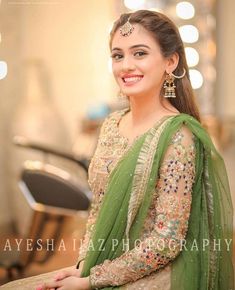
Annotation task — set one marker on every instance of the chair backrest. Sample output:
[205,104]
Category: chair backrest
[52,190]
[53,200]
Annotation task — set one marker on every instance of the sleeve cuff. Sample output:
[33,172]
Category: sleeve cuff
[92,286]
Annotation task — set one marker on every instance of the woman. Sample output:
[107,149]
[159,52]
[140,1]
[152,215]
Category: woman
[161,217]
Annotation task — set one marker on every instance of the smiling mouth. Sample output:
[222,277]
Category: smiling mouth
[132,80]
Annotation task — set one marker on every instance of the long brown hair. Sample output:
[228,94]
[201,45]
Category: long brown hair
[168,38]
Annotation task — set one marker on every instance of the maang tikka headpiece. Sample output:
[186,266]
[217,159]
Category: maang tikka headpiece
[127,28]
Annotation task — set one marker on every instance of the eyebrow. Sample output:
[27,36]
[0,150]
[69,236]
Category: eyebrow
[133,46]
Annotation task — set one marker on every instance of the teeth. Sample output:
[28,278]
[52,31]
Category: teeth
[132,79]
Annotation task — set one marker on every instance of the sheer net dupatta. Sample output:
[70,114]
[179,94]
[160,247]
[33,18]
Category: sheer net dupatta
[206,260]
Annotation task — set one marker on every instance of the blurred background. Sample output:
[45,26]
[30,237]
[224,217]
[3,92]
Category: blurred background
[56,87]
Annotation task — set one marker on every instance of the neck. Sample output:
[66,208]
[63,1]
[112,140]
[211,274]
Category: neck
[144,108]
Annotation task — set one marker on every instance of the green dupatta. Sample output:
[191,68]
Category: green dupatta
[128,197]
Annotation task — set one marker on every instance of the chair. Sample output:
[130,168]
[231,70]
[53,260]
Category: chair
[50,197]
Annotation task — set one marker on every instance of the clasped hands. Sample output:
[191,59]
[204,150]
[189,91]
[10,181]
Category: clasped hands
[69,279]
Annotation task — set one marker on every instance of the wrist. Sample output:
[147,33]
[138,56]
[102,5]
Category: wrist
[89,286]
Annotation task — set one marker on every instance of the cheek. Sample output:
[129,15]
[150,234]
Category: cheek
[149,67]
[157,70]
[115,70]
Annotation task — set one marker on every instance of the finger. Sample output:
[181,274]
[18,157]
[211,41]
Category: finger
[41,287]
[51,285]
[62,275]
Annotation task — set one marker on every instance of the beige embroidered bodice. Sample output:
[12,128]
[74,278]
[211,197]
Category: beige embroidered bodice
[147,266]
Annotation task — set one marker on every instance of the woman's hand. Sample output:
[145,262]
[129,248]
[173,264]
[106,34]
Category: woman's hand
[72,271]
[68,279]
[68,283]
[67,273]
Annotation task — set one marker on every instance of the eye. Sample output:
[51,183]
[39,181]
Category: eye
[140,53]
[116,56]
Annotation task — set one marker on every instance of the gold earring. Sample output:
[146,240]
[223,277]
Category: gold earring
[169,87]
[169,84]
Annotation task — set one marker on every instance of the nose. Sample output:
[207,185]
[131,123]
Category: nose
[127,64]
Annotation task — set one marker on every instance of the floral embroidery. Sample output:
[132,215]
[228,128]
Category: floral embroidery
[167,219]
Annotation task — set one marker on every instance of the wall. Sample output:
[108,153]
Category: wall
[226,58]
[57,53]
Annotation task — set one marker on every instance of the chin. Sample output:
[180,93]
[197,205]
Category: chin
[133,93]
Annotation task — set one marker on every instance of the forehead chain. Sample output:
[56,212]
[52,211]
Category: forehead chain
[127,28]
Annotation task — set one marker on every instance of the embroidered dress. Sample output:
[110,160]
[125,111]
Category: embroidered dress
[161,206]
[147,266]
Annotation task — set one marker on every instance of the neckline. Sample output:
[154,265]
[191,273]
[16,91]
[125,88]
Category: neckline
[129,142]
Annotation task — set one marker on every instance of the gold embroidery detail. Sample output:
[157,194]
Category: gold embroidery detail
[142,171]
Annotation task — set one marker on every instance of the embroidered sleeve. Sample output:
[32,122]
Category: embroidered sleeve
[171,210]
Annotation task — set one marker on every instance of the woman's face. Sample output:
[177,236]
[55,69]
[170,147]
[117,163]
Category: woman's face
[137,62]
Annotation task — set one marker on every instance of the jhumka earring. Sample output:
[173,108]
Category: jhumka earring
[127,28]
[169,84]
